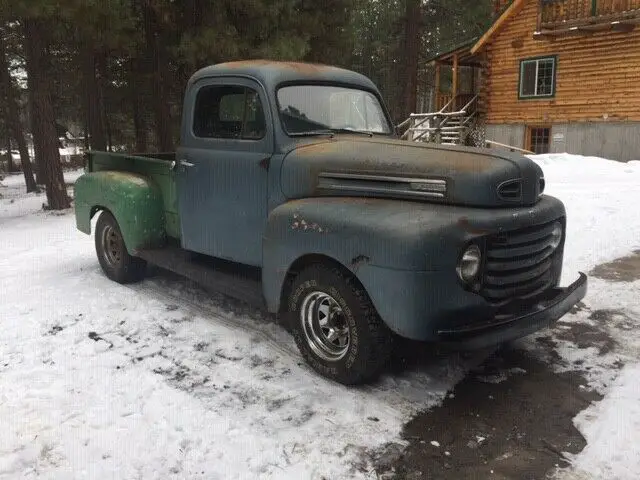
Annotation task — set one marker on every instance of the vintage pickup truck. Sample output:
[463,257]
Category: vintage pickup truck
[290,191]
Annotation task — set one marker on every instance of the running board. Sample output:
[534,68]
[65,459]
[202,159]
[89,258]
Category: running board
[239,281]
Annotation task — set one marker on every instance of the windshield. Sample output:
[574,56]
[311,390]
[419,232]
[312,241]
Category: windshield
[315,108]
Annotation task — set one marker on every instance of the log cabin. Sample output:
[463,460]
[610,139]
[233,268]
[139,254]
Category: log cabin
[551,76]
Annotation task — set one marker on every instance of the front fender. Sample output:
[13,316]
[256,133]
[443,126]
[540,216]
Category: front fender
[362,234]
[134,200]
[403,253]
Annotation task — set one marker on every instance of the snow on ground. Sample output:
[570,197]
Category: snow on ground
[603,222]
[15,203]
[601,198]
[611,428]
[160,380]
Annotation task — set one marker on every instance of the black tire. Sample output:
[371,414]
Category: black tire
[369,344]
[114,259]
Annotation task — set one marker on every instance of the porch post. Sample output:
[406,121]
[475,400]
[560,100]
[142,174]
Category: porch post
[437,87]
[473,80]
[454,89]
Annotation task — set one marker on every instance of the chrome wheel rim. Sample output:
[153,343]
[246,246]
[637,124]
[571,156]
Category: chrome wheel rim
[325,326]
[111,242]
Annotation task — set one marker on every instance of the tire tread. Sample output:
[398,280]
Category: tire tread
[381,340]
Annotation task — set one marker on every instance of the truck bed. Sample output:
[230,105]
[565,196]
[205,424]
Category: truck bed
[157,166]
[139,162]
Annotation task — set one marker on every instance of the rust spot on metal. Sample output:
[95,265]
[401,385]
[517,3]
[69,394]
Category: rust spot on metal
[265,162]
[134,178]
[463,222]
[300,67]
[327,146]
[389,155]
[358,261]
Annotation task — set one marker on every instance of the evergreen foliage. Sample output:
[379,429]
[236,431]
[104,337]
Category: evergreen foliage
[117,69]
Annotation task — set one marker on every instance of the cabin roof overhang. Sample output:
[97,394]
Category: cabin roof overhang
[514,7]
[468,51]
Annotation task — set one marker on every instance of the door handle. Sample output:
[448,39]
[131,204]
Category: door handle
[180,163]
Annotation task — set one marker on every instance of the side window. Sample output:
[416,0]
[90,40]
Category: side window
[228,111]
[538,78]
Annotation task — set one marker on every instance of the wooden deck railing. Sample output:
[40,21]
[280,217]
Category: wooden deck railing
[446,124]
[556,13]
[443,99]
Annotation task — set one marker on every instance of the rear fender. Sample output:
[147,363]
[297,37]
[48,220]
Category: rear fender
[134,200]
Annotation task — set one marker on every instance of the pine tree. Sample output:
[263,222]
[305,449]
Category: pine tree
[12,117]
[43,122]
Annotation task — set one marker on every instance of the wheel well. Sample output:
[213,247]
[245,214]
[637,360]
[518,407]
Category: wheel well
[303,262]
[95,209]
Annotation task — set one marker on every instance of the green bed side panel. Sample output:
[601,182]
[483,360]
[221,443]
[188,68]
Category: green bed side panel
[157,169]
[135,200]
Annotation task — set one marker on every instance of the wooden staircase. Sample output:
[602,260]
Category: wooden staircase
[457,133]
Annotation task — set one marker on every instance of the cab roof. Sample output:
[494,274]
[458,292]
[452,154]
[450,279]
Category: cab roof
[272,73]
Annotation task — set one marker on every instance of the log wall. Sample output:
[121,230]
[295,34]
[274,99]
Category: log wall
[597,77]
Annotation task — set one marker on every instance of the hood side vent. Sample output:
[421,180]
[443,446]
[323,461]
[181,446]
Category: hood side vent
[383,185]
[510,191]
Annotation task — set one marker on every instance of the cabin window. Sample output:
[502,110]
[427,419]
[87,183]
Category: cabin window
[228,111]
[538,139]
[538,77]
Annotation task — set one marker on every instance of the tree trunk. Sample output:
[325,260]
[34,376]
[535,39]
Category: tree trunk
[101,65]
[160,75]
[413,22]
[13,119]
[45,138]
[92,110]
[139,124]
[10,167]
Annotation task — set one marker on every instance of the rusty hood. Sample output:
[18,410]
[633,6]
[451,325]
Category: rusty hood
[349,165]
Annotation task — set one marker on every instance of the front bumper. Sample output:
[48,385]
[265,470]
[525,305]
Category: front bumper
[519,320]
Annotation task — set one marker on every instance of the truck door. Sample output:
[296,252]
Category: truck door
[227,139]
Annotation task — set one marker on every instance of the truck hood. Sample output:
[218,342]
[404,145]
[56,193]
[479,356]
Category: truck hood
[348,165]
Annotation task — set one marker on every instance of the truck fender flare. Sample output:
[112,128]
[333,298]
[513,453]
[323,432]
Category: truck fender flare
[288,247]
[134,200]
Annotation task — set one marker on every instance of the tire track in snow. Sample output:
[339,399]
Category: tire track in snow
[407,392]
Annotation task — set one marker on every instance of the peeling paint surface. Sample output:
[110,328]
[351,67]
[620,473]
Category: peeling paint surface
[300,223]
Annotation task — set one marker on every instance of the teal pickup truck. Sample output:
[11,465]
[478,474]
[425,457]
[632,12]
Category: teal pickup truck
[291,191]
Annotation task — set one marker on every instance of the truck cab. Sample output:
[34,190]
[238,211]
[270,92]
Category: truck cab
[290,191]
[239,122]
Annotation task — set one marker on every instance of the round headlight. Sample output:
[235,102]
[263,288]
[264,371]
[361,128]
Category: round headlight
[469,265]
[556,235]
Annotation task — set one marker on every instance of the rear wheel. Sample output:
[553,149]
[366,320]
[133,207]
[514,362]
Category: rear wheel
[114,259]
[335,326]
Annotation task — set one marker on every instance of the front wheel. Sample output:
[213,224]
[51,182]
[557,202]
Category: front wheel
[112,253]
[336,327]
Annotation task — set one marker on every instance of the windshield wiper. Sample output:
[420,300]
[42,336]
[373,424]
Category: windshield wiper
[313,133]
[331,132]
[348,130]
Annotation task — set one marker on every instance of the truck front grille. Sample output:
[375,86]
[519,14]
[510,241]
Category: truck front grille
[519,263]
